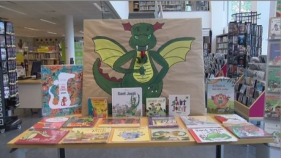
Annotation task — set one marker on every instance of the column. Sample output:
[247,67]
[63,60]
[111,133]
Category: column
[69,39]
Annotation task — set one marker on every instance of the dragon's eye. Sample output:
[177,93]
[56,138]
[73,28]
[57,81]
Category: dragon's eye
[149,36]
[136,37]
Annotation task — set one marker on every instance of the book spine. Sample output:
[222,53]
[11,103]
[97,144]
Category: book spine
[194,136]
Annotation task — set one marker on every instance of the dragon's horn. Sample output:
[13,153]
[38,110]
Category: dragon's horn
[127,26]
[157,26]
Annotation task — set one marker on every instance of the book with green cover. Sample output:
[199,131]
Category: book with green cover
[79,121]
[169,134]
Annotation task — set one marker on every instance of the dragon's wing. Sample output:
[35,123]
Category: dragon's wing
[175,50]
[108,49]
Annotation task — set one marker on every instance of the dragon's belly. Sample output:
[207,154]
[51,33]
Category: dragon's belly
[148,70]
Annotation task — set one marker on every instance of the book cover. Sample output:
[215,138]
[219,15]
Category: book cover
[126,102]
[123,135]
[87,135]
[275,130]
[274,54]
[50,123]
[98,107]
[273,84]
[120,122]
[231,118]
[169,134]
[79,121]
[198,122]
[272,107]
[179,105]
[162,122]
[42,137]
[210,135]
[156,107]
[62,89]
[220,96]
[275,25]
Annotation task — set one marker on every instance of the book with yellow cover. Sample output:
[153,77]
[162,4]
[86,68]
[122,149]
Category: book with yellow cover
[98,107]
[123,135]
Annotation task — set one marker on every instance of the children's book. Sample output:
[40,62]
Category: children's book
[220,96]
[198,122]
[62,89]
[126,102]
[42,137]
[179,105]
[79,121]
[156,107]
[169,134]
[274,54]
[210,135]
[123,135]
[230,119]
[98,107]
[87,135]
[273,84]
[275,130]
[272,107]
[49,123]
[120,122]
[162,122]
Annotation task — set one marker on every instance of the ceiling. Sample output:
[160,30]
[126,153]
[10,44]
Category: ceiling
[26,16]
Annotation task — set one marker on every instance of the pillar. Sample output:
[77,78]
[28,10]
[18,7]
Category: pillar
[69,39]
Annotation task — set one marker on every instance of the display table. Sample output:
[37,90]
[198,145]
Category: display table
[20,152]
[30,94]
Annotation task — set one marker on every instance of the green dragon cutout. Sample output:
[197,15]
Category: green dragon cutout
[142,71]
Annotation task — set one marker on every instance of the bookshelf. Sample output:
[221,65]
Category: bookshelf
[222,43]
[149,6]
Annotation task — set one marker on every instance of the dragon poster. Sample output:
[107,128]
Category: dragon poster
[162,56]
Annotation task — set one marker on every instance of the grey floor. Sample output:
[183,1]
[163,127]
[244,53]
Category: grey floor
[230,151]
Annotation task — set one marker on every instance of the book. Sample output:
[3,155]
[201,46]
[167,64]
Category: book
[169,134]
[42,137]
[50,123]
[198,122]
[210,135]
[179,105]
[87,135]
[275,130]
[123,135]
[120,122]
[220,96]
[156,107]
[62,89]
[79,121]
[274,28]
[272,107]
[274,54]
[126,102]
[230,119]
[273,84]
[97,107]
[162,122]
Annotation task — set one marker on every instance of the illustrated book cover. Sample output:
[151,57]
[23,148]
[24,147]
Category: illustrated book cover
[198,122]
[275,25]
[62,89]
[156,107]
[126,102]
[79,121]
[169,134]
[210,135]
[87,135]
[220,96]
[275,130]
[50,123]
[272,107]
[97,107]
[231,118]
[120,122]
[123,135]
[273,84]
[162,122]
[42,137]
[274,54]
[179,105]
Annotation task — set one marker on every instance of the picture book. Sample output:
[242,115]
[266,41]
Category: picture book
[62,89]
[273,84]
[230,119]
[169,134]
[272,107]
[160,122]
[274,54]
[123,135]
[275,130]
[156,107]
[42,137]
[198,122]
[220,96]
[275,25]
[98,107]
[210,135]
[50,123]
[79,121]
[120,122]
[126,102]
[87,135]
[179,105]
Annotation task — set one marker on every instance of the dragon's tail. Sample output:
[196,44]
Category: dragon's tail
[103,80]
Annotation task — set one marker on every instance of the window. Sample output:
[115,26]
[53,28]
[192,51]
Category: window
[238,7]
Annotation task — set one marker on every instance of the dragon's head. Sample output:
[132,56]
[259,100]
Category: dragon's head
[142,38]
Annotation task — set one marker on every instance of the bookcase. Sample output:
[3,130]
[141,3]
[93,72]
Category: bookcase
[222,43]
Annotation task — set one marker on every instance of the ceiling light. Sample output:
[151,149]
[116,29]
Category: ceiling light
[12,10]
[98,6]
[48,21]
[52,33]
[29,28]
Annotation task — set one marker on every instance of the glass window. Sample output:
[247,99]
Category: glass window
[238,7]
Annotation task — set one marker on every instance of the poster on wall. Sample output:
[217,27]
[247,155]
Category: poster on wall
[162,56]
[62,89]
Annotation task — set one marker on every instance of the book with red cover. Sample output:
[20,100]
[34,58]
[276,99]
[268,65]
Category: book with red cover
[42,137]
[80,121]
[49,123]
[231,118]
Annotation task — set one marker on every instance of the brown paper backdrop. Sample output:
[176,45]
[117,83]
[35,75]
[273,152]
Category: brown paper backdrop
[182,78]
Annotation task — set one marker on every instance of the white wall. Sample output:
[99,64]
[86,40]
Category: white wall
[122,8]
